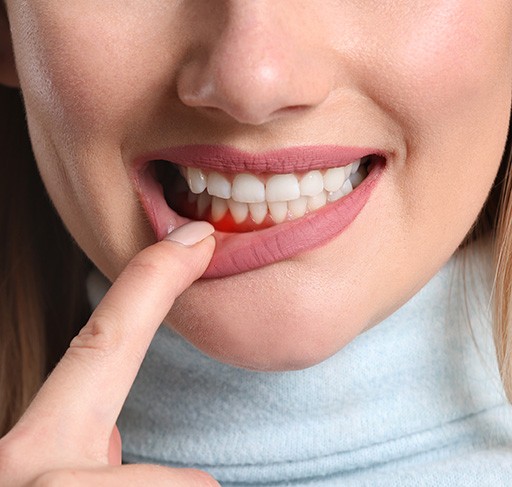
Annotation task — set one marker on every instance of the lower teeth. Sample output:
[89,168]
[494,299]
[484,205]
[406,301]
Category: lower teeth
[260,215]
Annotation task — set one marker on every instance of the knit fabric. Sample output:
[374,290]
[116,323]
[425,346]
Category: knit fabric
[414,401]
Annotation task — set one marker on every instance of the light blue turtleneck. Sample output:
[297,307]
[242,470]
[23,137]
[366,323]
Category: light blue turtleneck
[411,402]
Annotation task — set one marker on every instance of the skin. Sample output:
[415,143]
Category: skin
[104,82]
[68,433]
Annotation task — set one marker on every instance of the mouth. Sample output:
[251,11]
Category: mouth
[266,207]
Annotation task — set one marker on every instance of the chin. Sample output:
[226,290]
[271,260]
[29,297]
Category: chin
[280,358]
[269,351]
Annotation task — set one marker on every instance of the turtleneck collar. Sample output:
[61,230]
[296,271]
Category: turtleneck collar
[414,390]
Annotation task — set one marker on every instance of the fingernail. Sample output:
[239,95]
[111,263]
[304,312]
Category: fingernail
[191,233]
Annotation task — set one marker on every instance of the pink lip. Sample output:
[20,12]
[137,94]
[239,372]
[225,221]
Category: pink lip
[241,252]
[231,160]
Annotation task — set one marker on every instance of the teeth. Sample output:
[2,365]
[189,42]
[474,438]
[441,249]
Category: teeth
[258,212]
[196,180]
[282,187]
[347,187]
[284,196]
[315,202]
[238,210]
[334,178]
[278,211]
[335,195]
[219,208]
[356,179]
[248,189]
[311,183]
[298,207]
[219,186]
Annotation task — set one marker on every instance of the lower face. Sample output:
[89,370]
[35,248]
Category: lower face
[423,94]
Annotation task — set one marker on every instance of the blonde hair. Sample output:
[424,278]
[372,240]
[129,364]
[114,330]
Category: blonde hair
[42,272]
[42,288]
[502,289]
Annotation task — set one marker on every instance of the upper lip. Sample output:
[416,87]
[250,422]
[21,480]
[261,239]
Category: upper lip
[231,160]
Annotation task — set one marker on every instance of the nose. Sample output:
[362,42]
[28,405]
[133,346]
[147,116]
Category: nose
[262,64]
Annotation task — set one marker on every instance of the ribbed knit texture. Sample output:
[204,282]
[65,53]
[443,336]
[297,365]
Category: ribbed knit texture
[411,402]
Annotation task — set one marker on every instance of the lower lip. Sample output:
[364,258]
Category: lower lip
[240,252]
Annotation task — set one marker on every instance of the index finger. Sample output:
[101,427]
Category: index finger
[82,398]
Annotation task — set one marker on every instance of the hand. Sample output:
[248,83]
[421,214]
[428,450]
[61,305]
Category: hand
[67,436]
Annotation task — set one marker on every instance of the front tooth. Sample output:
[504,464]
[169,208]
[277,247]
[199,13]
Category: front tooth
[248,189]
[334,178]
[219,186]
[355,166]
[278,211]
[203,202]
[315,202]
[196,180]
[311,183]
[258,211]
[282,187]
[219,208]
[298,207]
[238,210]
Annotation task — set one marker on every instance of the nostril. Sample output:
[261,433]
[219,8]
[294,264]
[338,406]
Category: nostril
[292,110]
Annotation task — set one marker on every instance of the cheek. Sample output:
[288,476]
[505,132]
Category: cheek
[82,83]
[446,62]
[94,67]
[73,78]
[447,80]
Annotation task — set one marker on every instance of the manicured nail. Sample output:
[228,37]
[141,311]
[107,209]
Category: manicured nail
[191,233]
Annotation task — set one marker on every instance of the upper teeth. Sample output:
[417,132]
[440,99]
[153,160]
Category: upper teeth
[250,188]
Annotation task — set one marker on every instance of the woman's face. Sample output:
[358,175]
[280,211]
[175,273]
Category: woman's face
[110,86]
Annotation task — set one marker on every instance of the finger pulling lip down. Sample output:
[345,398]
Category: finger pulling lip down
[239,251]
